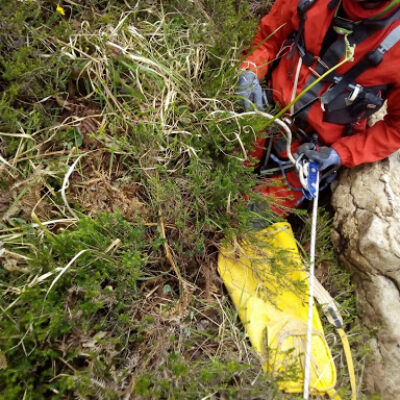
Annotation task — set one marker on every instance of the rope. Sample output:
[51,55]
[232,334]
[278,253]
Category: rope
[311,292]
[322,296]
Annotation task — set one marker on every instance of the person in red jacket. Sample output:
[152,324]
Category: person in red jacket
[297,42]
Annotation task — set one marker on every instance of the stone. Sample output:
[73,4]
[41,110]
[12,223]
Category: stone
[366,235]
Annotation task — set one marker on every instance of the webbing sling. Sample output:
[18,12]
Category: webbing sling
[336,52]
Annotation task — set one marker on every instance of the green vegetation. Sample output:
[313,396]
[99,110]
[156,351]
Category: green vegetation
[121,172]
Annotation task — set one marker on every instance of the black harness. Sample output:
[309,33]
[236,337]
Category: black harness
[345,102]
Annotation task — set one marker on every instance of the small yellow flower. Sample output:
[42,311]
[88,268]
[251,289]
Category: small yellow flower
[60,10]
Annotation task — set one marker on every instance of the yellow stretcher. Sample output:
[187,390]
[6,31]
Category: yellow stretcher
[269,287]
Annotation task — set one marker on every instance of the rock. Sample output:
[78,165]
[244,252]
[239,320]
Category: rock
[367,236]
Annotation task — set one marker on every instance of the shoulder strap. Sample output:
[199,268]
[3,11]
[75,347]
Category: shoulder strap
[372,59]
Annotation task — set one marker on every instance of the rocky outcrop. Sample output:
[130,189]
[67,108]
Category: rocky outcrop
[367,236]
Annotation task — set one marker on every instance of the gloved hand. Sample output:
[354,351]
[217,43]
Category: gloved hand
[325,157]
[249,87]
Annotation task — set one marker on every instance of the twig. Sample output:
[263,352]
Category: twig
[43,155]
[113,245]
[21,135]
[168,253]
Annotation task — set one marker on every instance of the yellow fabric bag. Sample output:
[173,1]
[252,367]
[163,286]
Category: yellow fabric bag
[268,285]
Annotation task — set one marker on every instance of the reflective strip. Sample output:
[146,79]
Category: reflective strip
[390,40]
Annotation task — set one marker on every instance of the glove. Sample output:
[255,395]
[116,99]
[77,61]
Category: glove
[325,157]
[250,89]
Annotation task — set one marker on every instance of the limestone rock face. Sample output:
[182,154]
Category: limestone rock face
[367,236]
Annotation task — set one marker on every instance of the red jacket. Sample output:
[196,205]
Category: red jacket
[367,144]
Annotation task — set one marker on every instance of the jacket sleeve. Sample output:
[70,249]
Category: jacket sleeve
[272,31]
[376,142]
